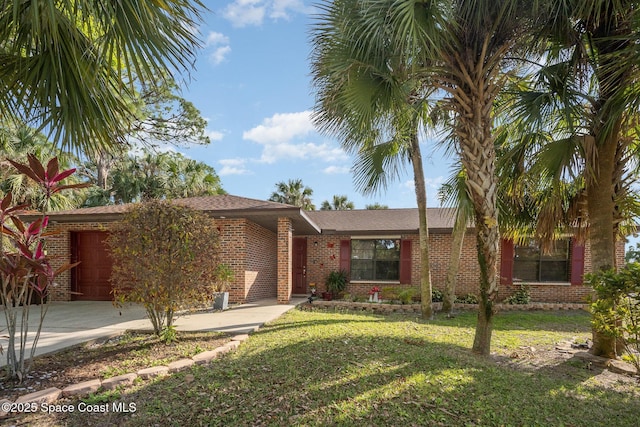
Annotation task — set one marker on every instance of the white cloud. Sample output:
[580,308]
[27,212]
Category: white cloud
[215,135]
[336,170]
[242,13]
[219,55]
[281,128]
[233,167]
[281,8]
[216,39]
[274,152]
[220,44]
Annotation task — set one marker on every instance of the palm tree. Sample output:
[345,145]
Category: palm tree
[586,101]
[293,193]
[461,48]
[454,192]
[370,96]
[69,67]
[340,203]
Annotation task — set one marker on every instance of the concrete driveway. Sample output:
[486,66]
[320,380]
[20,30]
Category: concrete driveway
[70,323]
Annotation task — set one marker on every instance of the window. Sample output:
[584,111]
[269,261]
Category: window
[377,259]
[530,264]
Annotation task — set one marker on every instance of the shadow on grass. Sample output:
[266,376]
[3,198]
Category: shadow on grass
[347,369]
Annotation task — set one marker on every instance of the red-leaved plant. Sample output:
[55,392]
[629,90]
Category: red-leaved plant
[26,273]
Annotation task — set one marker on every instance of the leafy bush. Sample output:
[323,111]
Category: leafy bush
[467,299]
[389,293]
[616,310]
[26,271]
[165,258]
[437,296]
[520,296]
[406,296]
[336,282]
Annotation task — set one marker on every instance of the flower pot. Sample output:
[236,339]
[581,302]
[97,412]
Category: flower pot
[221,300]
[327,296]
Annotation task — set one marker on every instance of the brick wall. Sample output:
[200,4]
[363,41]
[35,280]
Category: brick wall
[285,258]
[233,252]
[261,268]
[323,256]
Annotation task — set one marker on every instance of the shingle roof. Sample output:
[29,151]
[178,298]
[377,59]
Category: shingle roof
[381,220]
[266,213]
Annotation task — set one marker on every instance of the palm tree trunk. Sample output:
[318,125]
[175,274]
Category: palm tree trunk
[478,155]
[459,229]
[602,227]
[421,198]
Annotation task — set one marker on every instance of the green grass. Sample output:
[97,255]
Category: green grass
[339,368]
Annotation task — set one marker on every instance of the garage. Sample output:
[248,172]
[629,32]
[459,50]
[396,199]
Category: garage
[90,279]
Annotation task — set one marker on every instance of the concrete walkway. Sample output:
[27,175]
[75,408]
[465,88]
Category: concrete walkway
[71,323]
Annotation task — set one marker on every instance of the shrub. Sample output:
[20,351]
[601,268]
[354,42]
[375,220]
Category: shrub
[389,293]
[437,296]
[467,299]
[165,258]
[406,296]
[520,296]
[26,271]
[616,311]
[336,282]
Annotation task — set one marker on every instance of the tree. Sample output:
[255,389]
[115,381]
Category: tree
[376,206]
[454,191]
[72,67]
[370,96]
[165,258]
[162,116]
[25,268]
[19,142]
[340,203]
[147,174]
[585,103]
[293,193]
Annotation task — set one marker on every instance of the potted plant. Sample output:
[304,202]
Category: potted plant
[224,277]
[335,282]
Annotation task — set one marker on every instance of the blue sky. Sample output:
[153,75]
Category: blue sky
[252,83]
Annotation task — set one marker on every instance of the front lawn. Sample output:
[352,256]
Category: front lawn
[342,368]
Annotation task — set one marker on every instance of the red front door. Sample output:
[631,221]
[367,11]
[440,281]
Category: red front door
[299,266]
[91,278]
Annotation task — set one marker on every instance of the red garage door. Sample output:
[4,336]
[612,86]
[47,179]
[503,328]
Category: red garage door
[90,279]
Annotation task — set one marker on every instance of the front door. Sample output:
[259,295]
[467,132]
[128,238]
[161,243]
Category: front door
[91,278]
[299,266]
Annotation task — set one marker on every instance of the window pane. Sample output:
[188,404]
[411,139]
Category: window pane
[554,271]
[363,249]
[376,259]
[387,270]
[530,264]
[361,269]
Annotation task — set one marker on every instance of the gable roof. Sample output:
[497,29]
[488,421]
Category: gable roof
[381,221]
[266,214]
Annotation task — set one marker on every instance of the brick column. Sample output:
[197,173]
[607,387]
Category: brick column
[285,257]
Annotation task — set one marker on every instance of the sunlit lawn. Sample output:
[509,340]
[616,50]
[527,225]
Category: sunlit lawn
[336,368]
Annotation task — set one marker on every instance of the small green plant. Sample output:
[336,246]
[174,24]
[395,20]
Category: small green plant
[169,334]
[467,299]
[520,296]
[389,293]
[437,295]
[224,278]
[336,282]
[616,311]
[406,296]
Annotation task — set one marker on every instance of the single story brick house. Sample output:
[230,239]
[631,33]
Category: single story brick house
[278,250]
